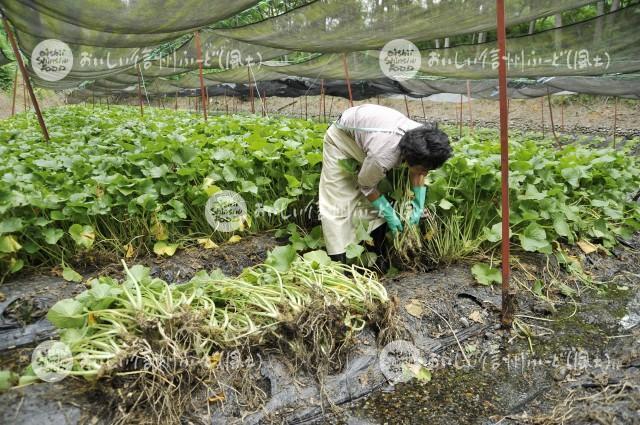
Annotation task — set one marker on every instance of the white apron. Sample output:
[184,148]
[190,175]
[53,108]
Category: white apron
[342,204]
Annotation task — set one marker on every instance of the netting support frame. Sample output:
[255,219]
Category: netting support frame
[25,77]
[508,295]
[203,94]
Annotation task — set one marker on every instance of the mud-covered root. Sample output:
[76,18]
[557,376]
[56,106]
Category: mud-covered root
[156,385]
[239,379]
[387,323]
[408,249]
[318,340]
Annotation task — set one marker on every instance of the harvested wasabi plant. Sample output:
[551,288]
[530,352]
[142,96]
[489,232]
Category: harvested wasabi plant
[155,348]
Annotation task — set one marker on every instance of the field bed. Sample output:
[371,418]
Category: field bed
[589,322]
[105,228]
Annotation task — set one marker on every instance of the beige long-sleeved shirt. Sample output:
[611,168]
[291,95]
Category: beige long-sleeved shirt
[377,131]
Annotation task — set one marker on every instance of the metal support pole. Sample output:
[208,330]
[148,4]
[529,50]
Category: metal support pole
[140,92]
[346,74]
[15,89]
[306,108]
[508,295]
[203,93]
[25,77]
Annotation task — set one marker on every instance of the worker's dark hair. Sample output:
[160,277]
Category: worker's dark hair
[427,146]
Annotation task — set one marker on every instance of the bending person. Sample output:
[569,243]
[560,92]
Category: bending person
[379,139]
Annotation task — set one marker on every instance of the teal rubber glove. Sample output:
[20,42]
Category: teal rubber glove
[419,196]
[388,213]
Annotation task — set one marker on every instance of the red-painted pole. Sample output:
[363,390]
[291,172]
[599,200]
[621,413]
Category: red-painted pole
[508,296]
[203,93]
[25,77]
[346,74]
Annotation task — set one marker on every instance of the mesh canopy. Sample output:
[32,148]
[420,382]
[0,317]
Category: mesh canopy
[91,62]
[349,25]
[627,86]
[219,53]
[30,21]
[137,16]
[110,85]
[155,69]
[243,75]
[603,45]
[112,40]
[361,65]
[123,78]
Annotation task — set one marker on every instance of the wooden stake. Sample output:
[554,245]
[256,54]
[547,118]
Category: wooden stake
[424,113]
[406,106]
[469,104]
[553,127]
[253,108]
[15,89]
[562,116]
[25,77]
[508,295]
[460,132]
[140,92]
[542,115]
[175,107]
[615,120]
[306,109]
[346,74]
[203,93]
[323,98]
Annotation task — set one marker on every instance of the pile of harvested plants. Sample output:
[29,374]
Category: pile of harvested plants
[155,347]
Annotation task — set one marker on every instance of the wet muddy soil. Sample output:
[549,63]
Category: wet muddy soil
[572,358]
